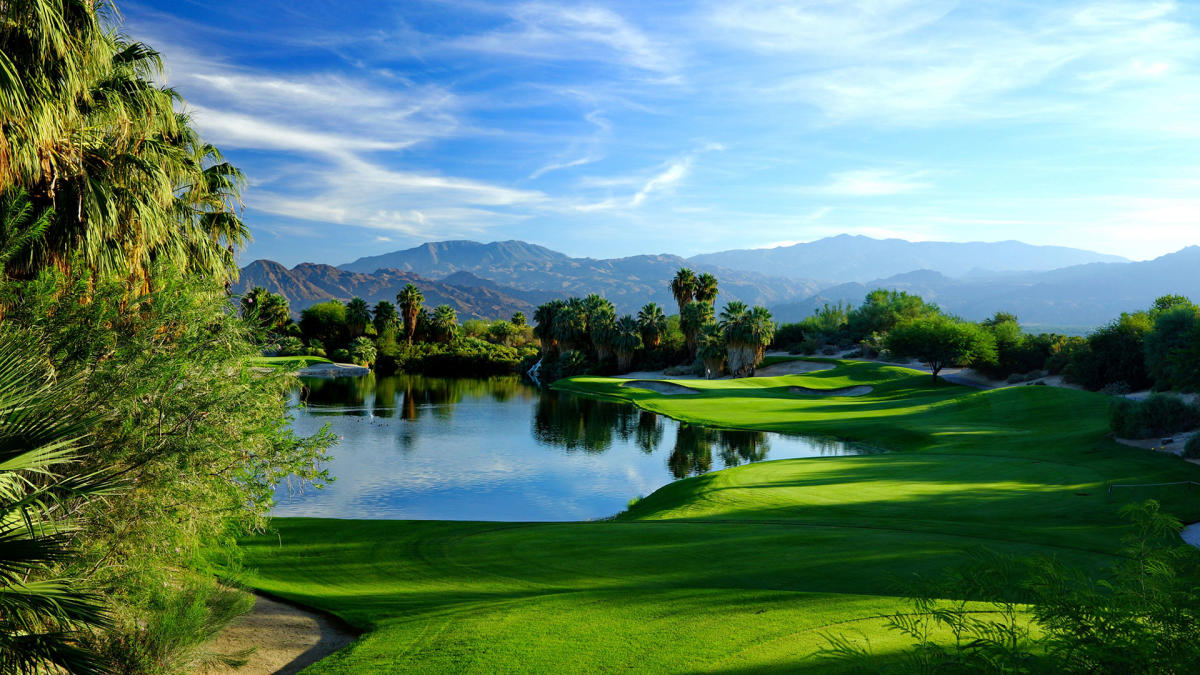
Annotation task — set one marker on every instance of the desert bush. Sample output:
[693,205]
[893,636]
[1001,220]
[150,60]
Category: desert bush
[1157,415]
[290,346]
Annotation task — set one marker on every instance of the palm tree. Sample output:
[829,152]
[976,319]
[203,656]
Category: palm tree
[384,316]
[695,316]
[570,325]
[266,309]
[42,617]
[21,226]
[88,133]
[683,287]
[518,319]
[409,299]
[444,323]
[358,315]
[544,322]
[747,332]
[738,333]
[652,323]
[764,330]
[705,288]
[626,339]
[712,350]
[600,314]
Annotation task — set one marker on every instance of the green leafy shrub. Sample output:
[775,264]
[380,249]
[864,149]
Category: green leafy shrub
[341,355]
[1157,415]
[291,346]
[1192,449]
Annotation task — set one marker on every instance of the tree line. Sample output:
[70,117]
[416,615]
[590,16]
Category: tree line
[405,336]
[580,335]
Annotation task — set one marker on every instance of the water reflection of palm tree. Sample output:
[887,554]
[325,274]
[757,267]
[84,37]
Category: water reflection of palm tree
[385,397]
[738,447]
[348,392]
[692,454]
[408,404]
[649,433]
[579,423]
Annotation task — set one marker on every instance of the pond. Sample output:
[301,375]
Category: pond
[501,449]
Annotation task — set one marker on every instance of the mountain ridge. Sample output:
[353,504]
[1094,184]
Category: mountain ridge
[847,257]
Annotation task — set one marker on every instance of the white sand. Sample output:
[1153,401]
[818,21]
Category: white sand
[661,387]
[285,638]
[844,391]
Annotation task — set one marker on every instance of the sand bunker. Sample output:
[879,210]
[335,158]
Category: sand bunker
[844,391]
[667,388]
[792,368]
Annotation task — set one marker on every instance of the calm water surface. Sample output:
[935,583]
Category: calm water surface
[500,449]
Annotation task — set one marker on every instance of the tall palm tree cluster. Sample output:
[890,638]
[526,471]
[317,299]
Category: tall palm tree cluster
[109,178]
[589,326]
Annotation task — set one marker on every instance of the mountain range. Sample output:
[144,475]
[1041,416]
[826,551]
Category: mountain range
[1073,298]
[628,282]
[308,284]
[1058,287]
[857,258]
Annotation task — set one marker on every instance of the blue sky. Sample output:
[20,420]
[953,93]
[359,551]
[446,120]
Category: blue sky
[610,129]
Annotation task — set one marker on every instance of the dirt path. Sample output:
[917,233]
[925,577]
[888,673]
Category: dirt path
[285,638]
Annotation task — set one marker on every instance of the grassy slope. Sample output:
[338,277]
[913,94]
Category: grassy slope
[741,569]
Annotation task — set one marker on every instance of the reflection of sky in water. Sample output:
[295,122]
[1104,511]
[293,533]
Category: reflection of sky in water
[498,449]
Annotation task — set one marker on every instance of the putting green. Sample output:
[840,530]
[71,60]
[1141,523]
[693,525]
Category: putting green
[744,569]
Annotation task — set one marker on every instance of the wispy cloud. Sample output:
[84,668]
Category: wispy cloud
[558,166]
[914,63]
[589,33]
[666,176]
[674,173]
[870,183]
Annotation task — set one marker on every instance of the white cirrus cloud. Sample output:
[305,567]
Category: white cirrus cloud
[870,183]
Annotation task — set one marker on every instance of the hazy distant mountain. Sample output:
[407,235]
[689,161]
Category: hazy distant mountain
[307,284]
[440,258]
[494,280]
[858,258]
[1082,296]
[629,282]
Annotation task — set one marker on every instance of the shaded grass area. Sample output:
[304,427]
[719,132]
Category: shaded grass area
[287,361]
[745,569]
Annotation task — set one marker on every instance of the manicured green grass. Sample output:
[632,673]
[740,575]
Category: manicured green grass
[287,361]
[743,569]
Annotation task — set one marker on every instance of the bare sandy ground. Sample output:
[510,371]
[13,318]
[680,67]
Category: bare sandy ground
[285,638]
[661,387]
[860,390]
